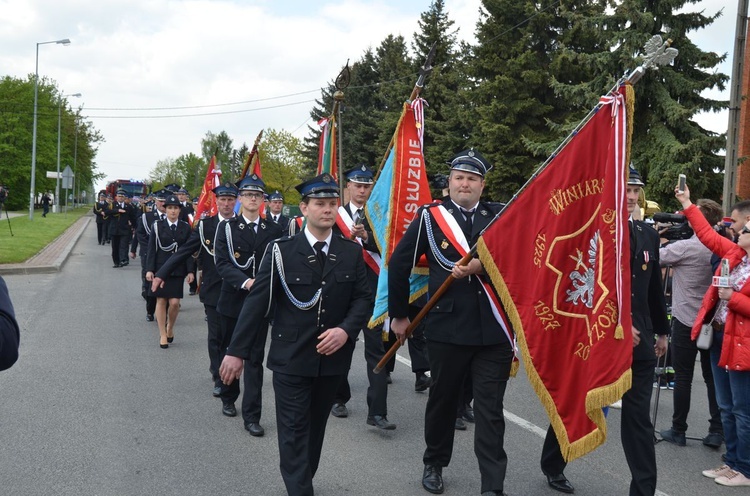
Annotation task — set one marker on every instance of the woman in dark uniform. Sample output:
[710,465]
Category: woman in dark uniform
[166,237]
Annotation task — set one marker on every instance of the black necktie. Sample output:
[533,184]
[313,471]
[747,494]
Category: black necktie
[320,253]
[276,219]
[468,214]
[360,215]
[173,227]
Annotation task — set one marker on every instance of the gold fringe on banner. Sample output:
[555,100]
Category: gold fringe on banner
[595,399]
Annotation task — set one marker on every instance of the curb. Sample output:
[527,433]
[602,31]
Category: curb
[60,249]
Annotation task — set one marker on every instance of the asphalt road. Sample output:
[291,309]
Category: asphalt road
[95,407]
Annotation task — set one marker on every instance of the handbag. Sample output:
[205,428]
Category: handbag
[706,337]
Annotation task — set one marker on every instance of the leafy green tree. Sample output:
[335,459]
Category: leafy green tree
[220,145]
[194,170]
[16,125]
[167,171]
[282,163]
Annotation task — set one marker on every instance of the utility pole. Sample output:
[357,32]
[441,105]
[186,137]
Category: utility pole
[735,99]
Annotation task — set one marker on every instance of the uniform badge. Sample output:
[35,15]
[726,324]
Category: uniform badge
[262,226]
[450,210]
[208,241]
[644,266]
[645,256]
[242,226]
[483,212]
[444,244]
[236,254]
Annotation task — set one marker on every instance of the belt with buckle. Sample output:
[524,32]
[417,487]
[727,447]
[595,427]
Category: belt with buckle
[717,327]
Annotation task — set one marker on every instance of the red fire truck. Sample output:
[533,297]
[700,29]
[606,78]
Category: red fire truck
[134,188]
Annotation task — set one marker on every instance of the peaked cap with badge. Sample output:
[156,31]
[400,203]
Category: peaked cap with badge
[361,174]
[227,189]
[470,161]
[322,186]
[252,183]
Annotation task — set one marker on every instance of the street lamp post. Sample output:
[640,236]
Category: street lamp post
[32,192]
[56,206]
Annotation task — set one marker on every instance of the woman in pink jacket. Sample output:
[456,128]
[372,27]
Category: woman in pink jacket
[728,311]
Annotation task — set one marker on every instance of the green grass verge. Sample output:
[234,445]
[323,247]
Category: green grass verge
[31,236]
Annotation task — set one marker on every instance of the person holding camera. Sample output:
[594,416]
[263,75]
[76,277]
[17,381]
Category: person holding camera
[691,264]
[727,309]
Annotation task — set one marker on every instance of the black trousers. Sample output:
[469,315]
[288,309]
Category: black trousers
[637,432]
[120,244]
[145,285]
[489,368]
[684,351]
[377,391]
[303,405]
[552,461]
[100,232]
[214,342]
[252,376]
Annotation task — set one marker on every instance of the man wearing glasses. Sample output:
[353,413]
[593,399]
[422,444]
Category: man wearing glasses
[240,244]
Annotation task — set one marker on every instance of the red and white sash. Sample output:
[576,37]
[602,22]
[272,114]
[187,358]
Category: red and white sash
[345,223]
[455,236]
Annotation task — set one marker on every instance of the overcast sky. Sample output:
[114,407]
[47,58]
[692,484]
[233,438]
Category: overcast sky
[241,66]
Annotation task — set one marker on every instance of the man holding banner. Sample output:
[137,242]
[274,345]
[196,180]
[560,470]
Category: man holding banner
[468,331]
[352,224]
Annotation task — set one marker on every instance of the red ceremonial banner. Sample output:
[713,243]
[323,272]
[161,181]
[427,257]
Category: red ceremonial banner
[559,258]
[206,206]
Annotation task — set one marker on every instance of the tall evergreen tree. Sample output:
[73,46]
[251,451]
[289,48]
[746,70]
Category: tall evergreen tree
[311,143]
[359,121]
[666,139]
[446,129]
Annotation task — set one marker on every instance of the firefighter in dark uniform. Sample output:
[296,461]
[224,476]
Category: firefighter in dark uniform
[187,214]
[275,206]
[144,224]
[351,223]
[464,336]
[240,244]
[120,228]
[315,285]
[101,218]
[202,241]
[165,239]
[649,313]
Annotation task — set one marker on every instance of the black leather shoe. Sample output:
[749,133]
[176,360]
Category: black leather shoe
[460,424]
[217,391]
[116,266]
[255,429]
[713,440]
[388,379]
[423,383]
[468,414]
[672,436]
[494,493]
[169,340]
[124,264]
[229,410]
[163,346]
[192,293]
[432,479]
[149,317]
[381,422]
[339,410]
[560,483]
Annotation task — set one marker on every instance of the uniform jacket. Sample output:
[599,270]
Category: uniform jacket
[201,240]
[156,256]
[245,244]
[185,211]
[369,245]
[9,331]
[100,207]
[143,226]
[344,302]
[647,305]
[120,223]
[735,349]
[463,314]
[283,221]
